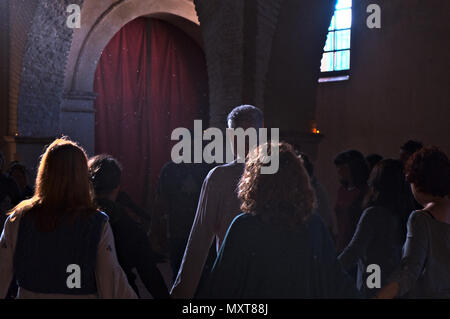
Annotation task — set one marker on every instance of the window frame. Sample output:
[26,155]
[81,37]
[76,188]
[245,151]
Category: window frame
[338,73]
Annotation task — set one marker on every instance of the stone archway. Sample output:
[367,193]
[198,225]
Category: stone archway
[50,100]
[77,115]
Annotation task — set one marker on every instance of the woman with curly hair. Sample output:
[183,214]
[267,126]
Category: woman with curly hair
[57,244]
[425,267]
[277,248]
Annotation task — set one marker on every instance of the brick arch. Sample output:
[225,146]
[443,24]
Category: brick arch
[100,24]
[55,94]
[89,44]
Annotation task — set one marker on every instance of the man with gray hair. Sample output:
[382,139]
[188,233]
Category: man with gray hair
[218,206]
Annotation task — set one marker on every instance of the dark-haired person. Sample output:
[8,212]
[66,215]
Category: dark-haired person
[57,244]
[176,202]
[353,172]
[381,231]
[132,244]
[9,192]
[18,172]
[217,207]
[424,271]
[323,204]
[373,160]
[278,248]
[408,149]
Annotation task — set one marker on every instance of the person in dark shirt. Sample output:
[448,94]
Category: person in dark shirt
[323,204]
[372,160]
[19,173]
[177,198]
[10,194]
[424,271]
[406,151]
[132,244]
[353,172]
[278,248]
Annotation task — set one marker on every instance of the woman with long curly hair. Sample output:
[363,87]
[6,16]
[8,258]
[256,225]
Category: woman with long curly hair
[277,248]
[56,244]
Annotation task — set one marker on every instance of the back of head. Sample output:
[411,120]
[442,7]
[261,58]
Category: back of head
[105,172]
[429,171]
[387,185]
[359,169]
[411,146]
[373,160]
[285,198]
[388,189]
[245,116]
[307,163]
[62,184]
[2,161]
[17,166]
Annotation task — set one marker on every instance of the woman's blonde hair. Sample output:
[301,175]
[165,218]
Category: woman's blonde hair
[62,185]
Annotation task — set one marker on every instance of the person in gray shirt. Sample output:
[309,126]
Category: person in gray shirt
[381,229]
[424,271]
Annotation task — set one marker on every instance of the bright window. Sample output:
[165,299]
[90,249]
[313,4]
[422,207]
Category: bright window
[336,55]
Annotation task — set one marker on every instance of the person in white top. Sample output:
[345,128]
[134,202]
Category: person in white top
[56,244]
[218,206]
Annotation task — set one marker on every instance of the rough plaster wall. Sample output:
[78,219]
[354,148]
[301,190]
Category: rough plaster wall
[222,25]
[21,14]
[44,65]
[399,85]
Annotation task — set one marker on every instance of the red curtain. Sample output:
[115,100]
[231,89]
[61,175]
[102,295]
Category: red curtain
[150,79]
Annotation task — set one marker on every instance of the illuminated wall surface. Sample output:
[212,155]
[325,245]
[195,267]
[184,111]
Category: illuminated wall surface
[336,56]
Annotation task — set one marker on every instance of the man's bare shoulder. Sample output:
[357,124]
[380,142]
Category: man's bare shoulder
[225,171]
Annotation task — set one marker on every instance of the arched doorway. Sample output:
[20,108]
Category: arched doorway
[150,79]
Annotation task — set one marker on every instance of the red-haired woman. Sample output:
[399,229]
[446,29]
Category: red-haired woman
[56,244]
[278,248]
[425,268]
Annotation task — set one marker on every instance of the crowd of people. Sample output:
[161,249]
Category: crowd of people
[229,231]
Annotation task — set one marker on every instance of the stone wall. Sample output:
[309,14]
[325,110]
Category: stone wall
[266,53]
[16,24]
[4,69]
[44,65]
[222,25]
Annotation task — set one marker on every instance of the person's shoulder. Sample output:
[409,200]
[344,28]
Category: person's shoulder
[168,169]
[105,206]
[168,166]
[215,173]
[419,219]
[226,170]
[418,216]
[373,212]
[14,218]
[244,220]
[100,216]
[12,222]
